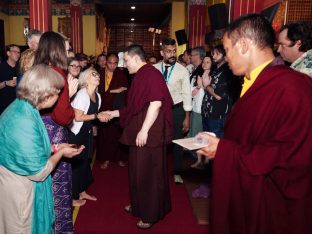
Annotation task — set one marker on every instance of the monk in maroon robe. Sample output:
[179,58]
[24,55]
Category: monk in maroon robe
[113,87]
[148,127]
[262,171]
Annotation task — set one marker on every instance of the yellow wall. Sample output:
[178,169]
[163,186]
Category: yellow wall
[178,22]
[5,18]
[16,25]
[55,23]
[89,34]
[13,29]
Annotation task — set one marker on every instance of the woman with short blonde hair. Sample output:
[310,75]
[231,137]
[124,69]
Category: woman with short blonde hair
[86,105]
[26,204]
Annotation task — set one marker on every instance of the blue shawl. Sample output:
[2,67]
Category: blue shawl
[25,150]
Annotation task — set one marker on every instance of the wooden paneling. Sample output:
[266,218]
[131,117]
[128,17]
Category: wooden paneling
[120,35]
[299,10]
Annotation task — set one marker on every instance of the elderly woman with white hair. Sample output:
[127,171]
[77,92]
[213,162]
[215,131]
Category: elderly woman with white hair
[26,204]
[86,105]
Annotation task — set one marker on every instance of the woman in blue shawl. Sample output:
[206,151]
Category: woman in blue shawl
[26,204]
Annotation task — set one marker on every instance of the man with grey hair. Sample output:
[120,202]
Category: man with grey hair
[197,56]
[33,38]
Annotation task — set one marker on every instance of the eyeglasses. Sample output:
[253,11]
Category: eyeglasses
[95,74]
[15,51]
[74,66]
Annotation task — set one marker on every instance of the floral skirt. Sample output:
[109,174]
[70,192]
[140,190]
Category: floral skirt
[62,180]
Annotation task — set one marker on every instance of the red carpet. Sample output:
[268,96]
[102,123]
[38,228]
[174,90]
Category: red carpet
[106,215]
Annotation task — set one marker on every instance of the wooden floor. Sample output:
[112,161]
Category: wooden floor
[192,179]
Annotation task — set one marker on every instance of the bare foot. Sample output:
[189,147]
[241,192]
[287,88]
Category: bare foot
[86,196]
[79,202]
[104,165]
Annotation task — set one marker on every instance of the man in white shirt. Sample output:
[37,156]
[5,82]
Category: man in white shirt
[177,79]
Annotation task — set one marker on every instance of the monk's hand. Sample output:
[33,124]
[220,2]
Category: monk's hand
[210,150]
[141,138]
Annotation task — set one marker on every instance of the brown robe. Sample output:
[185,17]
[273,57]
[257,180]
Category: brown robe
[108,146]
[262,172]
[148,177]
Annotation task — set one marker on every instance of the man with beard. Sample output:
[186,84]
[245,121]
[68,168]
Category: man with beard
[217,101]
[177,79]
[262,171]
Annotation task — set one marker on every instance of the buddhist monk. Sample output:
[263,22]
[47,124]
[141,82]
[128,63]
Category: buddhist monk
[148,127]
[262,171]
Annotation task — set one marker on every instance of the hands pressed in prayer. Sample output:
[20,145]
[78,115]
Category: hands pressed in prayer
[210,150]
[72,85]
[206,79]
[199,81]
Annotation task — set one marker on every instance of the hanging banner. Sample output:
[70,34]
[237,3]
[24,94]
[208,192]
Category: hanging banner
[76,23]
[197,19]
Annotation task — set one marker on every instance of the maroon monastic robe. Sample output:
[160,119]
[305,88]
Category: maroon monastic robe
[108,146]
[148,176]
[262,172]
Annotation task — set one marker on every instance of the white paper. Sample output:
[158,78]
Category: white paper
[191,143]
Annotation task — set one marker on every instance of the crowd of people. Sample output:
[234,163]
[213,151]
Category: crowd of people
[54,103]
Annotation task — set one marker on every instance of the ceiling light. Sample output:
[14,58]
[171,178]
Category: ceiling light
[131,31]
[132,19]
[132,7]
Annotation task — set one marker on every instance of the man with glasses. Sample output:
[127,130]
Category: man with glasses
[197,56]
[177,79]
[8,76]
[295,46]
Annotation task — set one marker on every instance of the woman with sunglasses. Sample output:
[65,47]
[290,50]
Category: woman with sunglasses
[86,105]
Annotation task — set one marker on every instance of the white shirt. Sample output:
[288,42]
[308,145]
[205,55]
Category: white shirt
[81,102]
[178,83]
[198,98]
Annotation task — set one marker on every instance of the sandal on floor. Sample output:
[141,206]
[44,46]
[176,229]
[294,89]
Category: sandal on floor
[128,209]
[143,225]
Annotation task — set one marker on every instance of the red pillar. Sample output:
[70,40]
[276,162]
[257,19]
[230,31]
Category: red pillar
[76,22]
[40,15]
